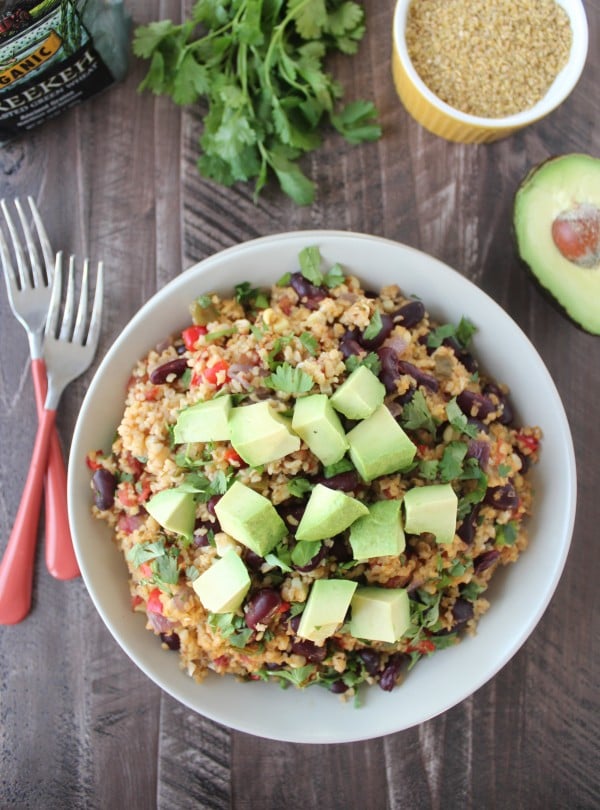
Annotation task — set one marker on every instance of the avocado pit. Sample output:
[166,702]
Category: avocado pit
[576,234]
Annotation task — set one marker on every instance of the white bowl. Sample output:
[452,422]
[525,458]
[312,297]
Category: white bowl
[519,593]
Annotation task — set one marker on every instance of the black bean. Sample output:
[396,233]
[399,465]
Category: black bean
[410,314]
[338,687]
[421,377]
[341,550]
[262,606]
[466,531]
[462,611]
[506,415]
[391,671]
[312,653]
[175,367]
[476,405]
[211,503]
[349,344]
[171,640]
[310,294]
[345,481]
[374,342]
[371,660]
[466,358]
[105,484]
[502,497]
[201,533]
[479,450]
[252,560]
[389,373]
[485,560]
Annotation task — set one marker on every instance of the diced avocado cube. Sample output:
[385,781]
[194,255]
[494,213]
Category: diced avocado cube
[379,533]
[250,518]
[328,512]
[260,434]
[379,446]
[223,586]
[431,508]
[326,608]
[206,421]
[380,614]
[173,509]
[316,422]
[359,395]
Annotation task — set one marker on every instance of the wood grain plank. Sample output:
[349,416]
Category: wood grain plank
[271,774]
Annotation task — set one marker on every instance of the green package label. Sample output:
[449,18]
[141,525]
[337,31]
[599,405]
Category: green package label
[48,63]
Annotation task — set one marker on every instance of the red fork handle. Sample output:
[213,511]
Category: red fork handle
[60,557]
[16,568]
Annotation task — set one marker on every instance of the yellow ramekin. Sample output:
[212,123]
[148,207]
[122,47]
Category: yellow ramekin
[441,119]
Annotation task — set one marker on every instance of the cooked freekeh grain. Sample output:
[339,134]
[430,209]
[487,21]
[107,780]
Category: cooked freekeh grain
[459,420]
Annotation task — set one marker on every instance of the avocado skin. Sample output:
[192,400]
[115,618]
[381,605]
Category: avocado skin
[565,304]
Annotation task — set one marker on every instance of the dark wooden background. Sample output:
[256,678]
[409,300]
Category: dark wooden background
[80,726]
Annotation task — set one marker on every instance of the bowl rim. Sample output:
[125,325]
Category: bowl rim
[191,694]
[559,90]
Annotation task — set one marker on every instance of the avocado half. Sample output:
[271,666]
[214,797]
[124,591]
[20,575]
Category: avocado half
[557,227]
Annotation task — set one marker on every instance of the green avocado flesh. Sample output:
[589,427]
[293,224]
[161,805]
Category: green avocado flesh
[557,227]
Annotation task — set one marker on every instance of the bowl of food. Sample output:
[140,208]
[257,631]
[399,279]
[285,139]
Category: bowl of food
[475,71]
[308,462]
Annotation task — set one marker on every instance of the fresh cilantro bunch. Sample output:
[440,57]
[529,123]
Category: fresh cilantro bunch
[260,66]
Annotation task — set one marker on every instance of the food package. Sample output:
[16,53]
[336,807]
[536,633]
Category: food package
[55,54]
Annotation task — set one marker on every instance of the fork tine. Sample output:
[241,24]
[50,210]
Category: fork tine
[7,267]
[24,279]
[66,326]
[34,261]
[79,331]
[54,306]
[43,237]
[94,330]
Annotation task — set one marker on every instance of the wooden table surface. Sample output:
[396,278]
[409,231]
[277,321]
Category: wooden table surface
[80,726]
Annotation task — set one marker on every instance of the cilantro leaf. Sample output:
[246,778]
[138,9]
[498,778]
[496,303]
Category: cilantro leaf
[310,343]
[506,534]
[370,360]
[309,259]
[462,333]
[374,327]
[334,276]
[304,551]
[416,414]
[459,420]
[289,379]
[298,676]
[250,297]
[299,486]
[343,465]
[144,552]
[356,122]
[451,464]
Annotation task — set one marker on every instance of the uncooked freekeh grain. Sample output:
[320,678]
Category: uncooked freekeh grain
[489,58]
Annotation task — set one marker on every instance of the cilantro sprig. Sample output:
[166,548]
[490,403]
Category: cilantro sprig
[462,333]
[310,260]
[289,379]
[163,560]
[260,67]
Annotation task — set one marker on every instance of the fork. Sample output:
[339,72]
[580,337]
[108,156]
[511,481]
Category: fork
[67,356]
[29,297]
